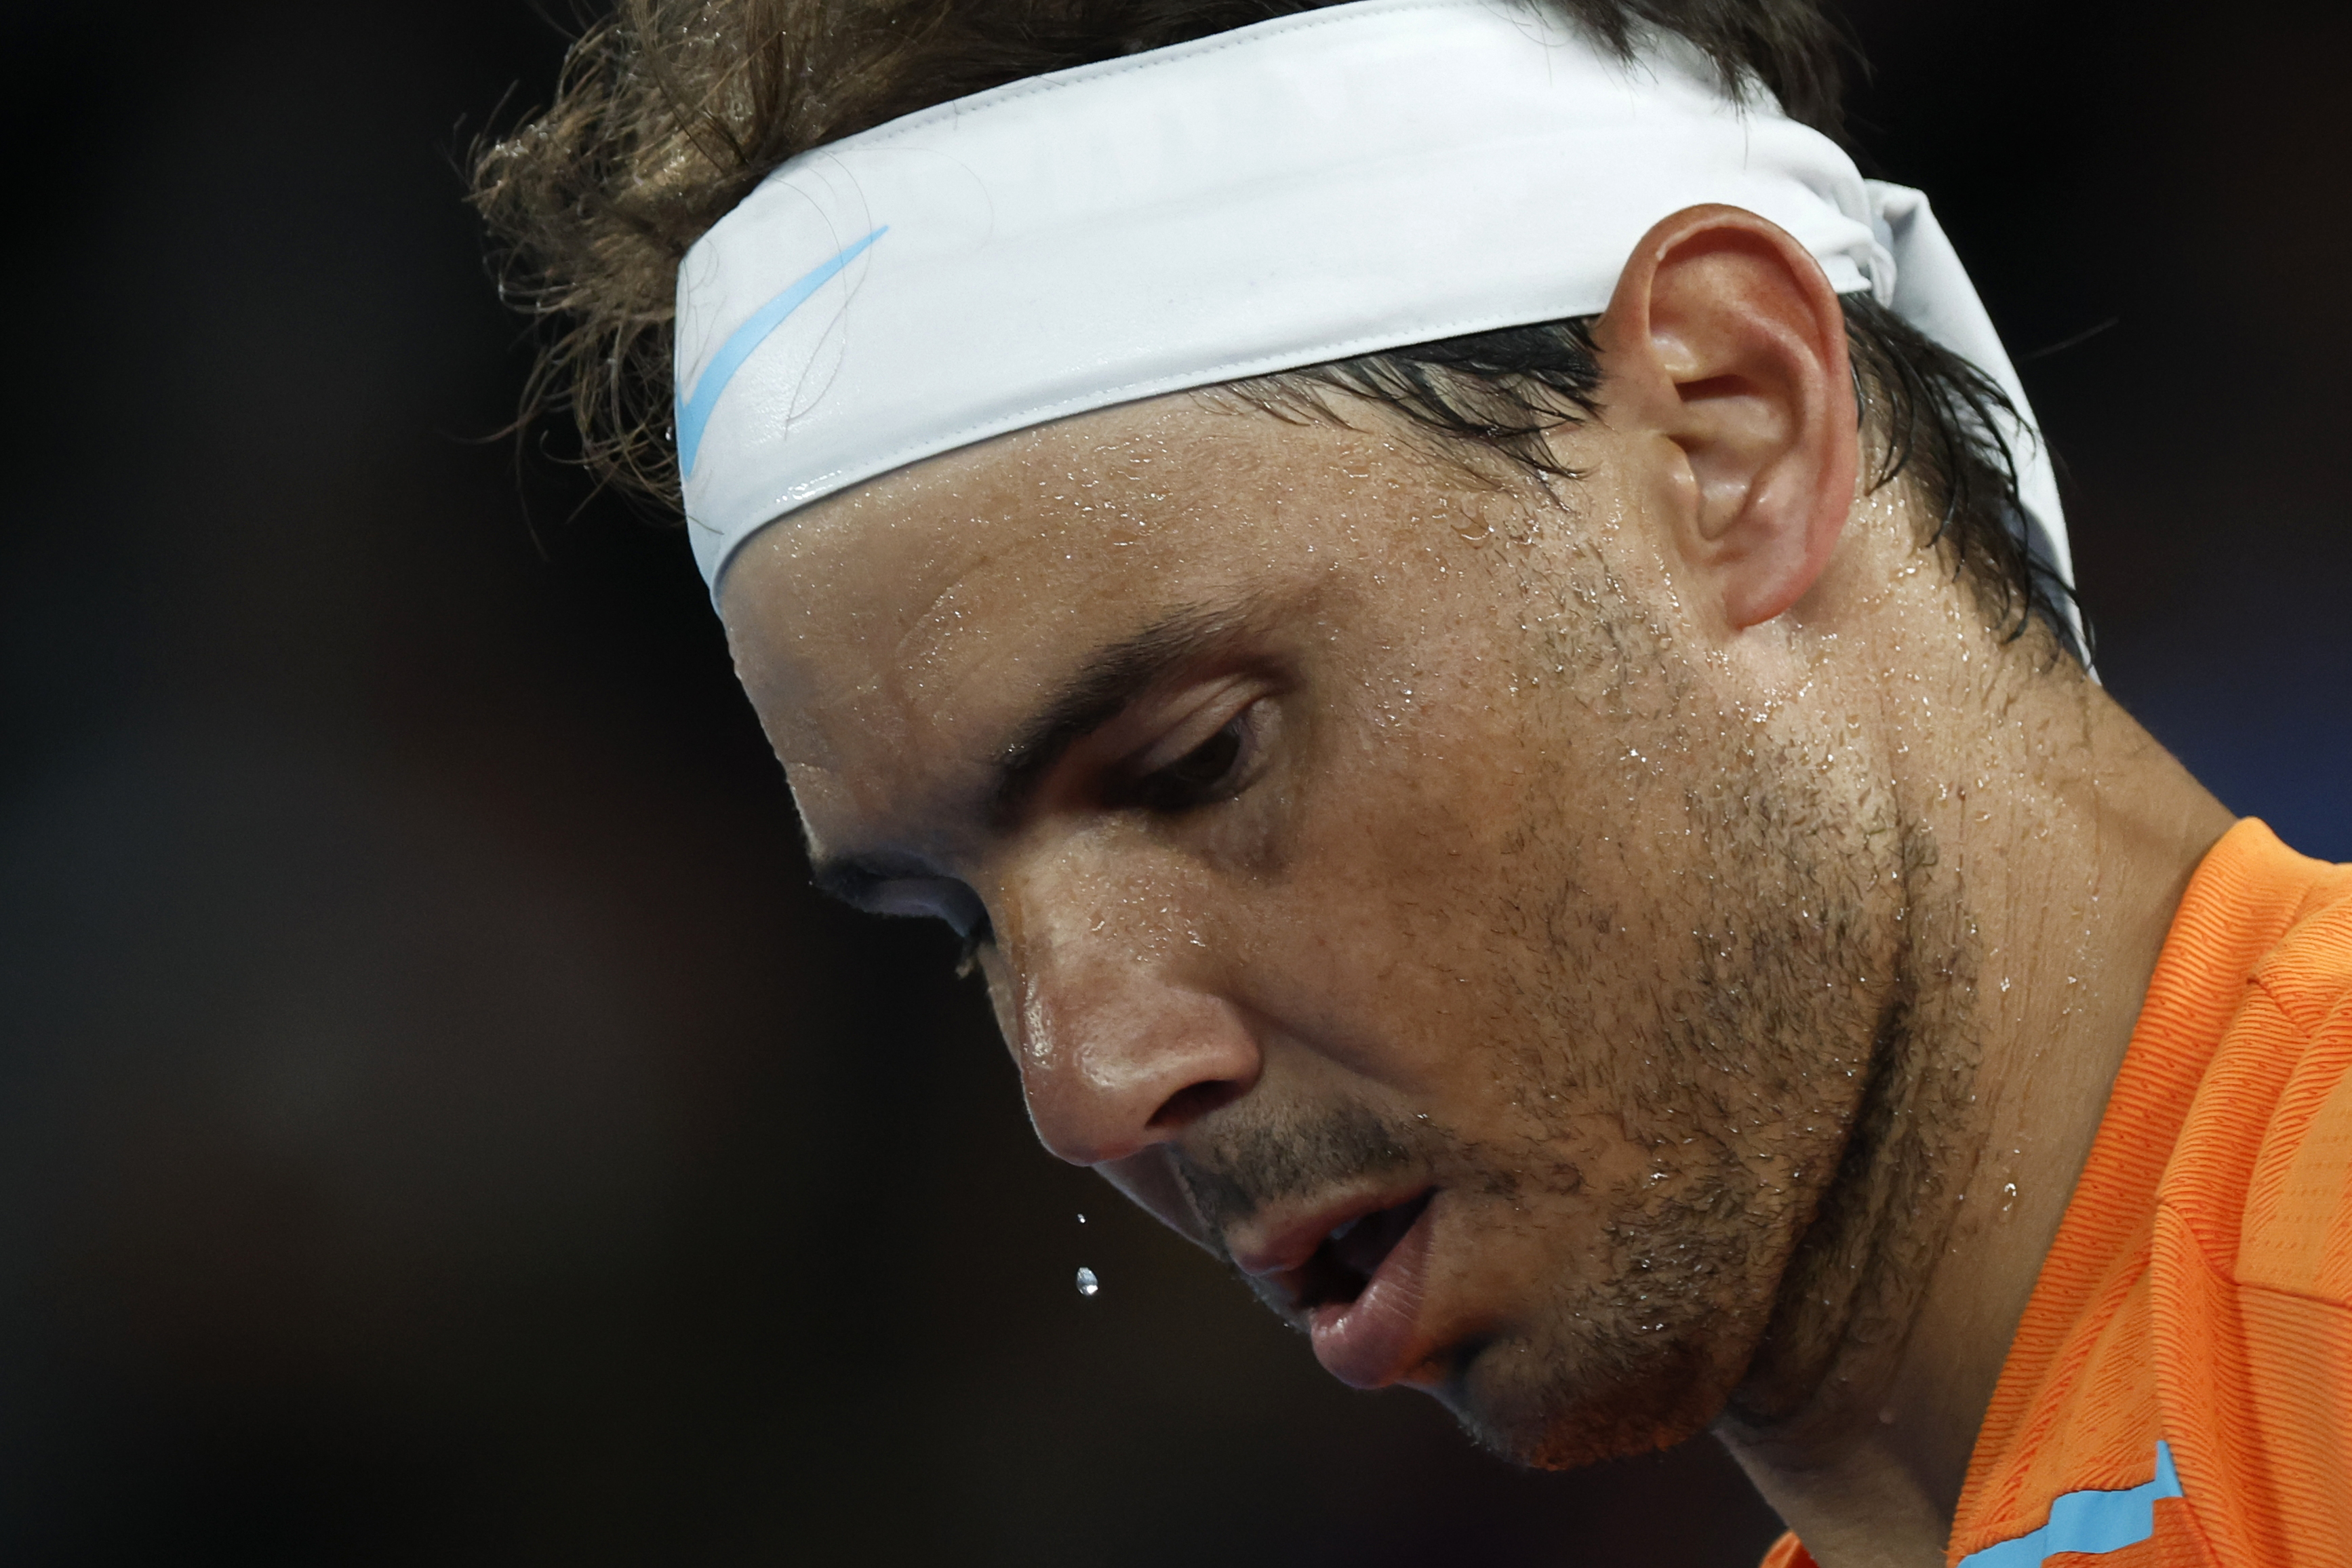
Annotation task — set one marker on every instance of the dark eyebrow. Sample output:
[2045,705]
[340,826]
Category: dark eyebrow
[1106,680]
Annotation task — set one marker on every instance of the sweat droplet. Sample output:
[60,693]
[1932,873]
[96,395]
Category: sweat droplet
[1088,1283]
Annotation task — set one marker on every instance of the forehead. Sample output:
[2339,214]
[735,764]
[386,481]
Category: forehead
[909,626]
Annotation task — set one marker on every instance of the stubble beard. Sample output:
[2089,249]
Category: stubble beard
[1796,1080]
[1759,1033]
[1738,1078]
[1742,1086]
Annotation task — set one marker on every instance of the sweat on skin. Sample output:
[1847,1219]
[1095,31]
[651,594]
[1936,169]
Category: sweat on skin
[1589,950]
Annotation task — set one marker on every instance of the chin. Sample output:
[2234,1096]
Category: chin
[1555,1412]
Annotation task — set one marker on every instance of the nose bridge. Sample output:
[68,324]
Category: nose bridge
[1119,1021]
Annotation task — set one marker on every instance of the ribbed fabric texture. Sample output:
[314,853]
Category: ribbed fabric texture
[2200,1290]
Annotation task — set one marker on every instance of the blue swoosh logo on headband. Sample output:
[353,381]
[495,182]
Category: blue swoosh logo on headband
[694,412]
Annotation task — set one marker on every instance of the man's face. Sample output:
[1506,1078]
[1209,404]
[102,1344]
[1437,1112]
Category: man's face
[1367,881]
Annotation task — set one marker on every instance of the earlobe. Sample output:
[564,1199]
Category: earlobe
[1725,345]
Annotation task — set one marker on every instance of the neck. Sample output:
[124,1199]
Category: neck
[2043,866]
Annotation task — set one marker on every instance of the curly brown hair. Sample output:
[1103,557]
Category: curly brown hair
[669,112]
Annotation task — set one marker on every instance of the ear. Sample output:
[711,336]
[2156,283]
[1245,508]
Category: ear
[1725,349]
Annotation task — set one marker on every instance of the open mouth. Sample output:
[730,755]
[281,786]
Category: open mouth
[1337,1272]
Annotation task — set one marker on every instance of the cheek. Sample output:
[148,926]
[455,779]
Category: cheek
[1411,886]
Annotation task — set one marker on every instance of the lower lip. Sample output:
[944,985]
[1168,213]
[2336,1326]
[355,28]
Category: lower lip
[1369,1342]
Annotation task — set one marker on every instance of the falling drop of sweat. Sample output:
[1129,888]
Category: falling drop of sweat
[1088,1283]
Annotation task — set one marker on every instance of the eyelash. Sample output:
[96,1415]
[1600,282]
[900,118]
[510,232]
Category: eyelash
[968,960]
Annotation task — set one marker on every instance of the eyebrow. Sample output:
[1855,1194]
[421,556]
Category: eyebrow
[1104,683]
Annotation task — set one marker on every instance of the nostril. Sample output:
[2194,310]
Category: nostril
[1193,1102]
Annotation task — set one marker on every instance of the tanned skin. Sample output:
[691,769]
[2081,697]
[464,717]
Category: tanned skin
[1627,956]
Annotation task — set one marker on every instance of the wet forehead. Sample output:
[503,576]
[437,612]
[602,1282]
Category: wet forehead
[927,600]
[898,609]
[906,627]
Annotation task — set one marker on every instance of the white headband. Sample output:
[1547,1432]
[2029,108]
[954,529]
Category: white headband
[1330,184]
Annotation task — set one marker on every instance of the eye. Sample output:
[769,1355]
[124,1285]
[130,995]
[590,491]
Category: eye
[1209,772]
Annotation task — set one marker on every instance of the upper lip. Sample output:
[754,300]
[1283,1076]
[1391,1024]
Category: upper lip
[1277,1245]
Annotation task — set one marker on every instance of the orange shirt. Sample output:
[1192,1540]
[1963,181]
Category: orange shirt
[2180,1390]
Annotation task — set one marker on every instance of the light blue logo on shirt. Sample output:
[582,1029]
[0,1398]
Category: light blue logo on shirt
[694,412]
[2088,1522]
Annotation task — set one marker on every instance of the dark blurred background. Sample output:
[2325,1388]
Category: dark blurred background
[438,1126]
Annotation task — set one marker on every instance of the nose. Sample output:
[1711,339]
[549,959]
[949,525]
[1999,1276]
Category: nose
[1115,1010]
